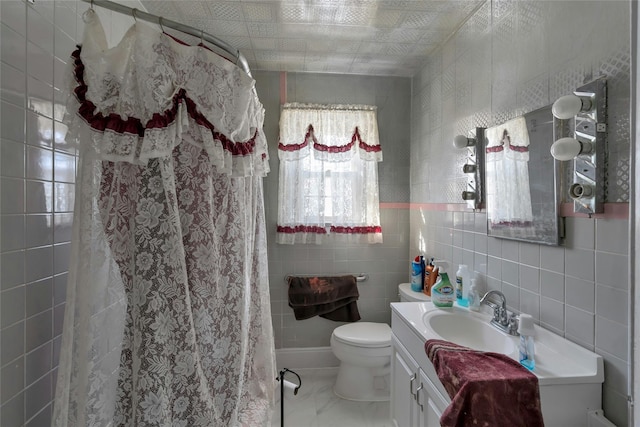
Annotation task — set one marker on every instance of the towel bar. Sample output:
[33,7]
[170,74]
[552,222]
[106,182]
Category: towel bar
[359,277]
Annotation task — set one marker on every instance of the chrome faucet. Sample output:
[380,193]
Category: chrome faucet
[501,318]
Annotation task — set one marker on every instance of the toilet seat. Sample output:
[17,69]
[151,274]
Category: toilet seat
[364,334]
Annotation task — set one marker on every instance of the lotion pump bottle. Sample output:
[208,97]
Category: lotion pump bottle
[473,296]
[527,346]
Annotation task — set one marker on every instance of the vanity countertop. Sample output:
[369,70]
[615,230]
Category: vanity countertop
[558,360]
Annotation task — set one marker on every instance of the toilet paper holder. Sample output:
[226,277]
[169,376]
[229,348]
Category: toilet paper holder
[280,378]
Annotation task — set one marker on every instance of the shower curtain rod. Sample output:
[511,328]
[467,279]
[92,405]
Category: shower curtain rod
[163,22]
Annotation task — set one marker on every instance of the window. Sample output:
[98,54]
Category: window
[328,174]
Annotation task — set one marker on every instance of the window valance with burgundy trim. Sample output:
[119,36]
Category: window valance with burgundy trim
[333,133]
[328,174]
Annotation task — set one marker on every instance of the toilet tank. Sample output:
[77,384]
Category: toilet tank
[407,295]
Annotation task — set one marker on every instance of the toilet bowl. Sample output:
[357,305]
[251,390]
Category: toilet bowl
[364,351]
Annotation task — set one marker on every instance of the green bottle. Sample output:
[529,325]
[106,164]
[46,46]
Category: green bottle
[443,293]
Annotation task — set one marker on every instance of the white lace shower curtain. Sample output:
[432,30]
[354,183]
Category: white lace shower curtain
[168,315]
[328,177]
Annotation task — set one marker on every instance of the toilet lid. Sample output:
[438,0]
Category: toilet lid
[364,334]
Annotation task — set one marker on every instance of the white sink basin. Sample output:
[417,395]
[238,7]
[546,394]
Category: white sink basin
[470,331]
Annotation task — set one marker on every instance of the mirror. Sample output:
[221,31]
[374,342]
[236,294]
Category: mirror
[521,179]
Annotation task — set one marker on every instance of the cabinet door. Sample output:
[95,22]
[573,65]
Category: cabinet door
[404,382]
[429,402]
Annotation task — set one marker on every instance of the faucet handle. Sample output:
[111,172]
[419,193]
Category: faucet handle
[514,319]
[503,315]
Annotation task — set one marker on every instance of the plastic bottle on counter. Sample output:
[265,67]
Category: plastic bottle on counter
[417,274]
[473,296]
[442,293]
[428,271]
[463,280]
[433,277]
[527,346]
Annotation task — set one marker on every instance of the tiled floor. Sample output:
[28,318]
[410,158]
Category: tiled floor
[317,406]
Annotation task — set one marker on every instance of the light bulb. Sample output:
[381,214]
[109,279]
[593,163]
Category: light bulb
[565,149]
[568,106]
[461,141]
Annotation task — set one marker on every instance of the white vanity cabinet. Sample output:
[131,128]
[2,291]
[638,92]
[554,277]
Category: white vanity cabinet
[415,400]
[570,377]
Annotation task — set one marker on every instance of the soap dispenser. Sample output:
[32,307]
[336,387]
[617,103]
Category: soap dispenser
[527,347]
[473,296]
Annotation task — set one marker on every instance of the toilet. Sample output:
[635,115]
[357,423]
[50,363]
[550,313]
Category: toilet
[408,295]
[364,351]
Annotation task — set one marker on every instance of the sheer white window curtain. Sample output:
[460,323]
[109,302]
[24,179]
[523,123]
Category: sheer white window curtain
[328,174]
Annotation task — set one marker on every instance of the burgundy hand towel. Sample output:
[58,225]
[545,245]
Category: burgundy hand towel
[486,389]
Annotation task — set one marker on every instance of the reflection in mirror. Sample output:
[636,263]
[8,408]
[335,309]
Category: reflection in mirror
[521,179]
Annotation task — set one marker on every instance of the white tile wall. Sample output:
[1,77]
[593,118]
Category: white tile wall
[37,174]
[526,55]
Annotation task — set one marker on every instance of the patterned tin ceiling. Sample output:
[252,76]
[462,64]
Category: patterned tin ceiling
[370,37]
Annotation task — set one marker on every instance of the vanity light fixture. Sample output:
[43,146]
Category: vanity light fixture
[587,107]
[473,194]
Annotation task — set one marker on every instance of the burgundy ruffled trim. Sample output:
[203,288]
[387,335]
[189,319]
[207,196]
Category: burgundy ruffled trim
[301,229]
[517,148]
[132,125]
[364,146]
[296,147]
[371,229]
[330,149]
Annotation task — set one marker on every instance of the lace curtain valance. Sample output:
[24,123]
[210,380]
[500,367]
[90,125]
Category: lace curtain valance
[328,174]
[333,133]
